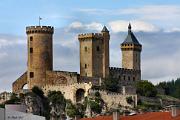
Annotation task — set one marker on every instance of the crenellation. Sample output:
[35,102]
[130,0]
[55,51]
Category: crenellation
[40,29]
[90,35]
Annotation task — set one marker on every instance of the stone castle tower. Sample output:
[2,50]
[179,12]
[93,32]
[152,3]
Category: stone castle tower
[131,52]
[40,53]
[94,54]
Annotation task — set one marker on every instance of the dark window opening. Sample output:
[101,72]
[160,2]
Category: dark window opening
[85,65]
[98,49]
[31,75]
[124,77]
[31,50]
[31,38]
[133,78]
[129,78]
[85,49]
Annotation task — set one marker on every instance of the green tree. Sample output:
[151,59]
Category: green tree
[111,84]
[38,91]
[145,88]
[57,98]
[71,109]
[13,100]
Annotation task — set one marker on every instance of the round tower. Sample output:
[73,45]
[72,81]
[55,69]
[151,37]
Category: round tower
[40,54]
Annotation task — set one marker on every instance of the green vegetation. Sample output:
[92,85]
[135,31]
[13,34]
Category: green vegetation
[129,100]
[38,91]
[146,88]
[71,109]
[171,88]
[13,100]
[110,84]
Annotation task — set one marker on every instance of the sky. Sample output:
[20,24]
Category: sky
[155,23]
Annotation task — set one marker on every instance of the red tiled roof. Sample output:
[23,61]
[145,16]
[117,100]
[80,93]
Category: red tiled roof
[146,116]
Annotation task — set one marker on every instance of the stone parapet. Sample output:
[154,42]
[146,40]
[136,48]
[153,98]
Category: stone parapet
[40,29]
[90,35]
[123,70]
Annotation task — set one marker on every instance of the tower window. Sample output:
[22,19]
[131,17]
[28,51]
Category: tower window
[133,78]
[31,75]
[129,78]
[31,38]
[31,50]
[97,48]
[85,48]
[85,65]
[124,77]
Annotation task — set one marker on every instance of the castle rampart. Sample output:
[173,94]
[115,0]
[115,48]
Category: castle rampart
[90,35]
[39,29]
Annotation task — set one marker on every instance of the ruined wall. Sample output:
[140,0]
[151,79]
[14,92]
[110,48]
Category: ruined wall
[116,99]
[61,77]
[69,91]
[17,86]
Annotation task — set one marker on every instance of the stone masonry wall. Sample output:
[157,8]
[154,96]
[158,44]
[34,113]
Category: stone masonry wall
[116,99]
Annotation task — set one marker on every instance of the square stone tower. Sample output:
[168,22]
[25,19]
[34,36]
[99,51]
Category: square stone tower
[94,54]
[131,52]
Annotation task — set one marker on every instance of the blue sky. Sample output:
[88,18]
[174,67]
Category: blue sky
[154,22]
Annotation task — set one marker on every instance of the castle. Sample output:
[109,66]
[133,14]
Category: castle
[94,63]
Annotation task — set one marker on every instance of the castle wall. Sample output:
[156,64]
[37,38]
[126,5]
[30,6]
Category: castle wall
[113,100]
[125,76]
[17,86]
[69,91]
[61,77]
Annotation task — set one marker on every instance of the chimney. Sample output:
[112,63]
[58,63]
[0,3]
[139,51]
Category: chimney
[116,115]
[175,111]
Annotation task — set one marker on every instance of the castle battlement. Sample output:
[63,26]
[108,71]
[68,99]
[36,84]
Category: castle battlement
[40,29]
[112,94]
[123,70]
[90,35]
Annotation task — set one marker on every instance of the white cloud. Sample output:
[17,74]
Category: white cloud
[175,29]
[121,26]
[155,12]
[79,26]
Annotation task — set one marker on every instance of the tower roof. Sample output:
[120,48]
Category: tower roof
[131,39]
[105,29]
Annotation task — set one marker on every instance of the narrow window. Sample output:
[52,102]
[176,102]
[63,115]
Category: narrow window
[85,65]
[31,50]
[85,49]
[31,38]
[124,77]
[129,78]
[97,48]
[31,75]
[85,74]
[133,78]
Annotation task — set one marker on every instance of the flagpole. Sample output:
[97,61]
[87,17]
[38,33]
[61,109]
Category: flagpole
[39,21]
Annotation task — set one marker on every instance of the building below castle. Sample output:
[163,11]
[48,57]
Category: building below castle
[94,65]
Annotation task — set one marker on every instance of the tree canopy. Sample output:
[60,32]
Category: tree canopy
[146,88]
[171,88]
